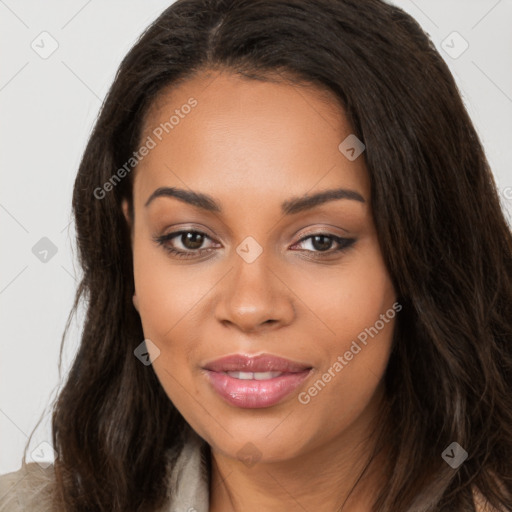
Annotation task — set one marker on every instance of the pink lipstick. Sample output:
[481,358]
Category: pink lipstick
[255,381]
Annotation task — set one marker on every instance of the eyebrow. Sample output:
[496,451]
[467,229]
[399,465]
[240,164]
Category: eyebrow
[289,207]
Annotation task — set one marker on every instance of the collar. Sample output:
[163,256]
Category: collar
[189,476]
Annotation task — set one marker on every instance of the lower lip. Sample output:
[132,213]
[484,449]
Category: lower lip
[255,394]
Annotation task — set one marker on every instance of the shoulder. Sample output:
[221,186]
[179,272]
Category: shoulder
[29,488]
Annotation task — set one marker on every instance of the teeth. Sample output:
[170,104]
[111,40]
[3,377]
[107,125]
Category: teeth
[254,375]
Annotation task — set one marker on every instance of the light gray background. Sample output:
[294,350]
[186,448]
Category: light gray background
[48,107]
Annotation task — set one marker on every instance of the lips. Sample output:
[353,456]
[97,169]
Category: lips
[257,381]
[259,363]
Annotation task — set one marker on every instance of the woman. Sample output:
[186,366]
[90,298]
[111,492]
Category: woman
[297,273]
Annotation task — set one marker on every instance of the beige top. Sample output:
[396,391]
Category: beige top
[30,488]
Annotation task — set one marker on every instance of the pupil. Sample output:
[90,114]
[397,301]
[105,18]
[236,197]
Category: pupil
[321,246]
[192,240]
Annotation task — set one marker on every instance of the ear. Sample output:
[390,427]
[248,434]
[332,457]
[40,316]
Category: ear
[125,206]
[126,211]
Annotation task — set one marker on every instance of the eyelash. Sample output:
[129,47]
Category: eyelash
[344,244]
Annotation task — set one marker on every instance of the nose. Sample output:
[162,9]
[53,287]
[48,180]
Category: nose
[254,297]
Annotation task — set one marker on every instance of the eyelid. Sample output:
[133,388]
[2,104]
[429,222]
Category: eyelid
[342,242]
[326,229]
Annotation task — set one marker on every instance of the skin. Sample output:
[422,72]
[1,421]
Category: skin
[253,145]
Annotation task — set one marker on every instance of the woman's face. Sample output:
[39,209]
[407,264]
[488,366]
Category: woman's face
[255,280]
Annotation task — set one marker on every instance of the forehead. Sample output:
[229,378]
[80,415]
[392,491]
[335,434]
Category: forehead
[232,136]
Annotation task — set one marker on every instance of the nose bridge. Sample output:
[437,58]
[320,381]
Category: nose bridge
[253,295]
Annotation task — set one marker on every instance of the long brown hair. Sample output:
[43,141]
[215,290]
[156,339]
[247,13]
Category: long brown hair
[445,241]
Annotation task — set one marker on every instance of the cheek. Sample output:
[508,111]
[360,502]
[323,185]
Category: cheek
[166,292]
[346,300]
[355,334]
[169,295]
[166,297]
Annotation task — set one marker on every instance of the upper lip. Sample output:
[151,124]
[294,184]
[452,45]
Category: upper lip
[259,363]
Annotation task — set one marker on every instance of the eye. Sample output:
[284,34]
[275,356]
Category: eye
[190,241]
[322,243]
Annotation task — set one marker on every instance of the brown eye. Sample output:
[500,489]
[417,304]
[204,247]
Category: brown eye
[192,239]
[321,244]
[189,243]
